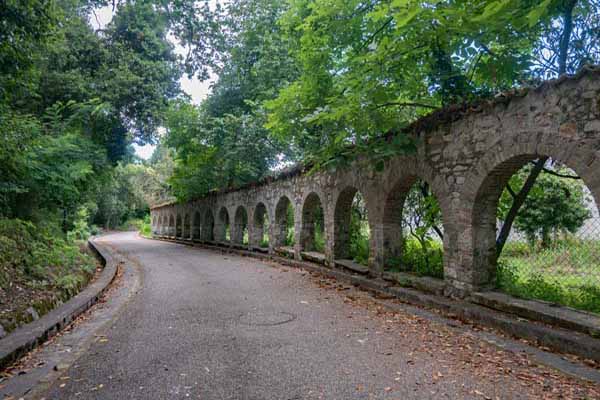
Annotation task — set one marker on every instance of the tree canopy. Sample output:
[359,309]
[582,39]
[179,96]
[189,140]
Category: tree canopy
[319,81]
[313,81]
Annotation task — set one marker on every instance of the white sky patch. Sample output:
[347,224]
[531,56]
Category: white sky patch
[145,151]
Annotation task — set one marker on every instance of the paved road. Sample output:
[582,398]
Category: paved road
[212,326]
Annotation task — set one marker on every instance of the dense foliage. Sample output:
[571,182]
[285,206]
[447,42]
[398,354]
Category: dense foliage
[312,81]
[73,99]
[224,142]
[70,108]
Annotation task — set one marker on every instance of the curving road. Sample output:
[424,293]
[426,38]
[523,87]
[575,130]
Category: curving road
[212,326]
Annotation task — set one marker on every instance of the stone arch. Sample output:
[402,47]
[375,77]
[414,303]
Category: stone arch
[341,221]
[208,228]
[281,220]
[223,225]
[259,223]
[240,225]
[197,223]
[484,186]
[312,211]
[187,226]
[179,226]
[171,231]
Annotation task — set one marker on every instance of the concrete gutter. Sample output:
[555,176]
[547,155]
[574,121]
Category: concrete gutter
[29,336]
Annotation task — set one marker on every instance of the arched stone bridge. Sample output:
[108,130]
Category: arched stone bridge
[465,155]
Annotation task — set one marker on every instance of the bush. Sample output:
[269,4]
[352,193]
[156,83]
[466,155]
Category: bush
[81,230]
[34,253]
[145,227]
[425,260]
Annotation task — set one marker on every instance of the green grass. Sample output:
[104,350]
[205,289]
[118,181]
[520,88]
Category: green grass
[566,273]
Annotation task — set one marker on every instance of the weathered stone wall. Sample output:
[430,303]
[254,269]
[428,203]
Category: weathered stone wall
[465,155]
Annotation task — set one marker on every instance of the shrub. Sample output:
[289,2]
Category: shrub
[145,227]
[38,253]
[426,259]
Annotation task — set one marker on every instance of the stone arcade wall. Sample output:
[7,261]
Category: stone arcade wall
[466,156]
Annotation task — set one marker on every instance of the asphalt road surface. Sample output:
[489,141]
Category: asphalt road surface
[211,326]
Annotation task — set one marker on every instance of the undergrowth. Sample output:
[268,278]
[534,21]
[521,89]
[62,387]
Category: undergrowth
[39,258]
[566,273]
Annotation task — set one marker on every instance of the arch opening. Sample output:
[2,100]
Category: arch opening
[222,230]
[178,226]
[413,229]
[312,236]
[284,223]
[171,231]
[261,226]
[240,231]
[536,233]
[351,227]
[187,226]
[196,226]
[208,228]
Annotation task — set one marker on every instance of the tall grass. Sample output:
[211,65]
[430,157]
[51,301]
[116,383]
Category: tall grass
[567,272]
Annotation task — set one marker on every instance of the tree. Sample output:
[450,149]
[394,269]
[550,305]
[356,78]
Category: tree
[73,99]
[223,142]
[555,204]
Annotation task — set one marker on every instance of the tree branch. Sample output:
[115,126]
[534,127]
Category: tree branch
[377,32]
[510,190]
[558,174]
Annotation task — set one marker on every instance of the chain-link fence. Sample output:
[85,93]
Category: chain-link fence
[553,250]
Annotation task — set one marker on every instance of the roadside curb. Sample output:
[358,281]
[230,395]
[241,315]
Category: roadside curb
[29,336]
[555,338]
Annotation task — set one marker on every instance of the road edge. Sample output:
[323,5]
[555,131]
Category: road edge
[29,336]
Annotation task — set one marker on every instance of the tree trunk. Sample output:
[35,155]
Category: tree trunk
[517,203]
[563,49]
[64,220]
[425,192]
